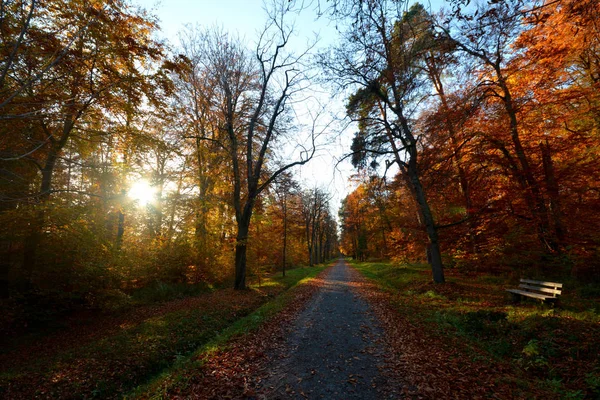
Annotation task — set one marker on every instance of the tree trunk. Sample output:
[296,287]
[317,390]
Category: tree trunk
[171,226]
[308,243]
[553,191]
[240,257]
[284,232]
[241,246]
[321,248]
[412,174]
[201,223]
[437,268]
[316,249]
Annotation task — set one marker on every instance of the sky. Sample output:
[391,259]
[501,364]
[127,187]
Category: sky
[246,18]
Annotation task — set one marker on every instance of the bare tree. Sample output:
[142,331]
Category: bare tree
[254,96]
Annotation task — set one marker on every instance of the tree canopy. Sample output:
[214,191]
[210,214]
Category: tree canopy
[126,161]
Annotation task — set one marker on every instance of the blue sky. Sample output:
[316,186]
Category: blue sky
[246,18]
[243,16]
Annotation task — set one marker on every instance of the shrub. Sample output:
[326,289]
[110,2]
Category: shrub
[164,291]
[109,300]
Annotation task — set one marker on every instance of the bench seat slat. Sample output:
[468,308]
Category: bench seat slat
[541,289]
[543,283]
[530,294]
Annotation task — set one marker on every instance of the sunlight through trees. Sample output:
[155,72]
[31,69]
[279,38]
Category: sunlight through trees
[127,161]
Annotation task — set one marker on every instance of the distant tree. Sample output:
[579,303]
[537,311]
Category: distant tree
[354,233]
[285,187]
[315,211]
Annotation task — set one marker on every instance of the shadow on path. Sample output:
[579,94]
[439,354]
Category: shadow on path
[334,350]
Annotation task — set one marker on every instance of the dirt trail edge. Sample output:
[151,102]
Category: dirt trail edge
[334,348]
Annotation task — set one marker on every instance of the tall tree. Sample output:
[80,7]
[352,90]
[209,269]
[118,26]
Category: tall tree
[285,187]
[380,60]
[487,38]
[254,96]
[197,100]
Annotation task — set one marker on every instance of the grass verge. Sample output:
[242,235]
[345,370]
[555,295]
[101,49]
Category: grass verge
[181,378]
[545,348]
[115,363]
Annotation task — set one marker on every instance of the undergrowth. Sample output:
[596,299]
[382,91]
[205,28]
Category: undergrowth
[137,351]
[179,374]
[548,347]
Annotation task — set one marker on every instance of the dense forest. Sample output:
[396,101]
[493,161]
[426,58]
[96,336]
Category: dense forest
[491,114]
[159,237]
[127,161]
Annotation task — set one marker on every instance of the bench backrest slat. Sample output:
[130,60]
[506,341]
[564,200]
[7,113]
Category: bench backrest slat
[541,289]
[542,283]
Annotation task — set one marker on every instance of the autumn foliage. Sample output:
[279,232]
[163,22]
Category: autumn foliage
[125,166]
[508,135]
[134,172]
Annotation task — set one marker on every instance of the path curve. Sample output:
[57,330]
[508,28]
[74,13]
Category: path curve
[334,349]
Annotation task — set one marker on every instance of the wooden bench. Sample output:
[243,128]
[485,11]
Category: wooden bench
[544,291]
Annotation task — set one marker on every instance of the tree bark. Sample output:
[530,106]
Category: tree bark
[307,226]
[284,232]
[434,245]
[241,246]
[240,256]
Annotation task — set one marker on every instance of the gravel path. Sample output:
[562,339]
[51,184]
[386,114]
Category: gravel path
[334,348]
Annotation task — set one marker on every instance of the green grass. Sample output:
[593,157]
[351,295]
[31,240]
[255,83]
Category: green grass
[392,276]
[293,278]
[177,375]
[117,363]
[557,345]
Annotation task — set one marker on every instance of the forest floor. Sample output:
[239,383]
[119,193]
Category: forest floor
[326,344]
[105,355]
[372,331]
[388,332]
[465,338]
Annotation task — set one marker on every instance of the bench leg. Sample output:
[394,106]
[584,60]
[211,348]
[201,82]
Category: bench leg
[552,302]
[516,298]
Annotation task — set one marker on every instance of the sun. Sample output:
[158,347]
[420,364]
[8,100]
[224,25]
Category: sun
[142,192]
